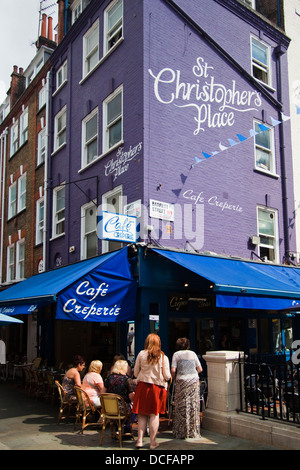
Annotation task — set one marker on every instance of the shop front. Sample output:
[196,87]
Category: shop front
[218,302]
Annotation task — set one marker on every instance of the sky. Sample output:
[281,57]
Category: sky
[19,30]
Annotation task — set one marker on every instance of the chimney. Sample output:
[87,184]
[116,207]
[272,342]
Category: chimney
[44,26]
[61,21]
[17,85]
[50,28]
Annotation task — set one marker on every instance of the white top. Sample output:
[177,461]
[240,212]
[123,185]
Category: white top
[152,373]
[185,362]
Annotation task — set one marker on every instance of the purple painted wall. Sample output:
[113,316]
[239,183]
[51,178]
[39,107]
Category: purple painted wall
[215,200]
[178,128]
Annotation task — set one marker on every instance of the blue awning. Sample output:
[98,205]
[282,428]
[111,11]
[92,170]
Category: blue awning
[6,320]
[98,289]
[242,284]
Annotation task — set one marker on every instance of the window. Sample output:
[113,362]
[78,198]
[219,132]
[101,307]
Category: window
[42,97]
[12,200]
[61,75]
[22,193]
[260,61]
[267,231]
[113,24]
[41,152]
[76,8]
[112,202]
[250,3]
[14,143]
[264,148]
[89,236]
[58,211]
[60,128]
[91,49]
[90,138]
[10,270]
[24,127]
[20,260]
[113,120]
[39,221]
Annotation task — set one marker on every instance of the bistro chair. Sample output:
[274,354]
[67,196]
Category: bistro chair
[85,409]
[50,386]
[66,404]
[114,411]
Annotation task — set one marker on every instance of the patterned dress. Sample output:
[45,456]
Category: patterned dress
[186,414]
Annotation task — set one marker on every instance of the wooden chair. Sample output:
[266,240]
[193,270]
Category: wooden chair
[50,386]
[85,409]
[65,403]
[114,411]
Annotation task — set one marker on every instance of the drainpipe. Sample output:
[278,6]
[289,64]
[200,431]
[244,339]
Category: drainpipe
[279,51]
[46,172]
[3,140]
[66,16]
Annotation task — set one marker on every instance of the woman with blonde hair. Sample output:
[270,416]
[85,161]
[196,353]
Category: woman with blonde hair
[92,382]
[152,370]
[119,383]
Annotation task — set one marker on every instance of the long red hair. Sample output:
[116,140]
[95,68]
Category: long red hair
[153,346]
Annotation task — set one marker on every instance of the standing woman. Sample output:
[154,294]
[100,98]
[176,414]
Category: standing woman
[186,366]
[152,370]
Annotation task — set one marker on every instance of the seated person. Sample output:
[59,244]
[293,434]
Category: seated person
[72,377]
[119,383]
[121,357]
[92,382]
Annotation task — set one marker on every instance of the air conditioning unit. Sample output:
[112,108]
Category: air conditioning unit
[255,240]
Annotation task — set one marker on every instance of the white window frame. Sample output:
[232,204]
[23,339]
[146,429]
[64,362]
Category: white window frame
[60,130]
[14,138]
[270,150]
[88,141]
[84,233]
[24,127]
[250,3]
[107,126]
[264,247]
[20,259]
[10,263]
[91,54]
[22,192]
[76,9]
[39,220]
[258,65]
[58,214]
[112,35]
[42,96]
[42,146]
[61,75]
[12,201]
[108,204]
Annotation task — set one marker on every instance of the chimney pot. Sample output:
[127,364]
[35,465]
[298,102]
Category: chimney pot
[50,29]
[44,25]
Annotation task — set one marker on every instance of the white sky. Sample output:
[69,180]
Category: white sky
[19,30]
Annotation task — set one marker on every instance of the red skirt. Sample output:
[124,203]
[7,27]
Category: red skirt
[149,399]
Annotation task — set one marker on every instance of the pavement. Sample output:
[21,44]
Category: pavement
[27,423]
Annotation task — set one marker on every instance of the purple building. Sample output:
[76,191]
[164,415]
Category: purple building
[176,113]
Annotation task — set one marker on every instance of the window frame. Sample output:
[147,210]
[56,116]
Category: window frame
[21,194]
[85,144]
[20,262]
[23,127]
[106,147]
[270,150]
[261,234]
[42,147]
[255,63]
[12,203]
[59,132]
[85,233]
[61,75]
[10,262]
[94,52]
[14,138]
[39,221]
[56,221]
[109,34]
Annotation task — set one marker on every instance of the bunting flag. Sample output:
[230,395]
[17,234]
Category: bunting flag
[242,138]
